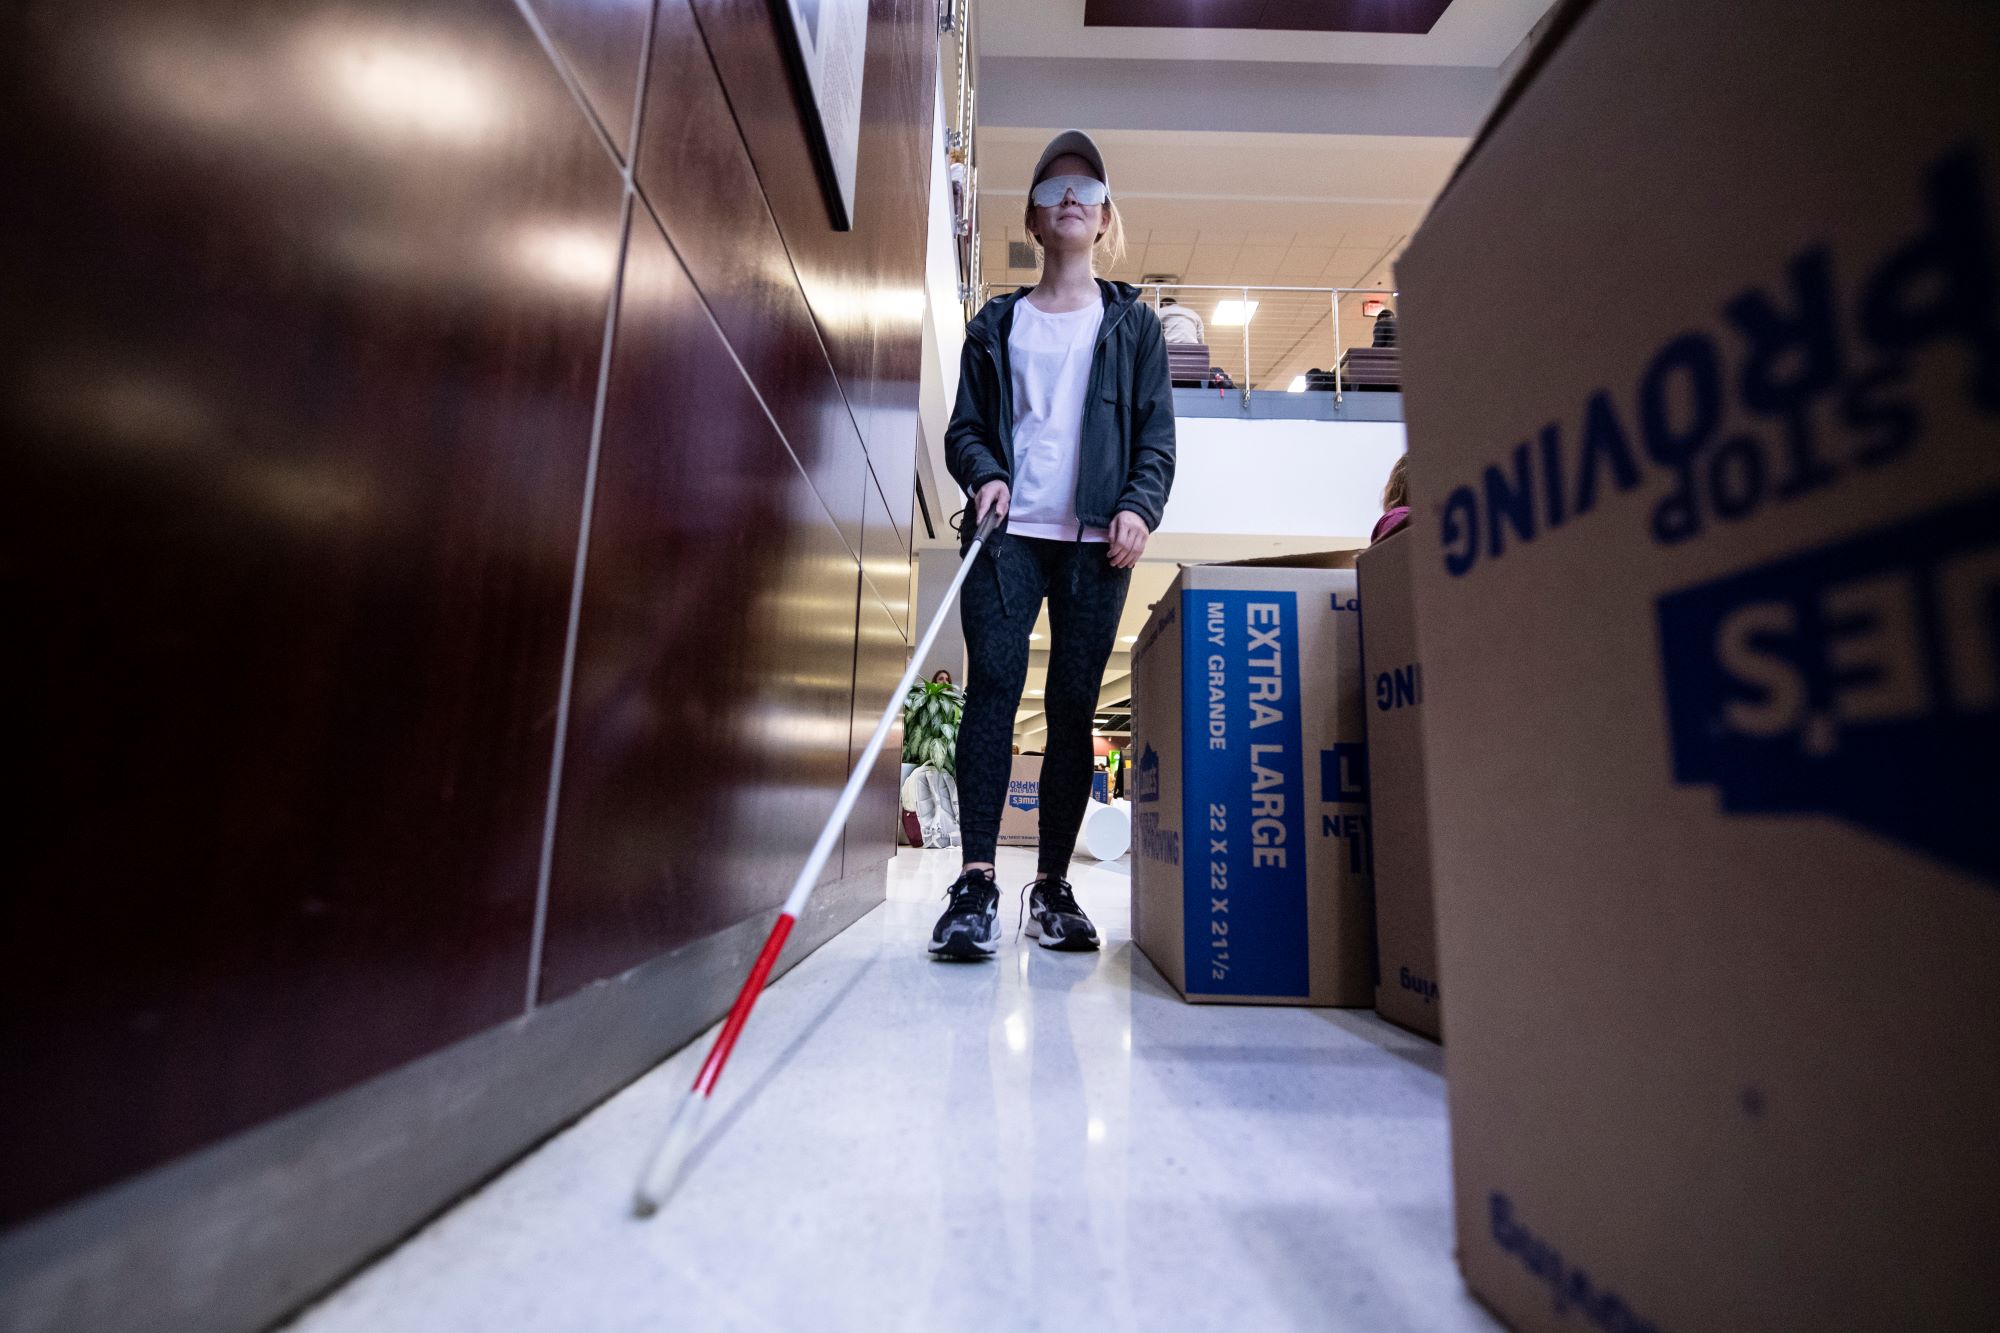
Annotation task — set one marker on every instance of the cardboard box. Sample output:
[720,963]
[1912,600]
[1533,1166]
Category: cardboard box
[1702,376]
[1021,817]
[1406,986]
[1250,815]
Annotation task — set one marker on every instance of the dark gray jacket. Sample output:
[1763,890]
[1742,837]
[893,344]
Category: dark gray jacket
[1128,410]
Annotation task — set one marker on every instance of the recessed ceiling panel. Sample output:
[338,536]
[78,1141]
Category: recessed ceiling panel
[1402,16]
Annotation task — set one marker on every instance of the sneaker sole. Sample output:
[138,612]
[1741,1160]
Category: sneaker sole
[1061,943]
[959,946]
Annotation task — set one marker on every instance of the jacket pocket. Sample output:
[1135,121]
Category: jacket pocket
[1119,413]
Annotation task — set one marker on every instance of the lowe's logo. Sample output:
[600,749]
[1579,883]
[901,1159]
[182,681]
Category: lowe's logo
[1149,774]
[1343,773]
[1859,680]
[1024,795]
[1343,780]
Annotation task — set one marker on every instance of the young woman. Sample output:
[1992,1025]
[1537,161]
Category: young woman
[1395,500]
[1064,425]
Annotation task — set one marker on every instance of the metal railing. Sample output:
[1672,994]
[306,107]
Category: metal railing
[1275,338]
[956,56]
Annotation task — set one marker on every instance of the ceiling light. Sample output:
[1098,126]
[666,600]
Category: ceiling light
[1128,638]
[1298,384]
[1034,638]
[1233,314]
[1035,693]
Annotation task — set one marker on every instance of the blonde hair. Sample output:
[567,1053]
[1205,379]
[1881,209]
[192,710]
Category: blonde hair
[1109,250]
[1397,491]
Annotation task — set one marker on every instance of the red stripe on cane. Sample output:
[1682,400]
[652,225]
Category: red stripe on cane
[739,1013]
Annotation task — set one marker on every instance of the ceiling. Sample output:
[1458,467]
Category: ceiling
[1470,32]
[1292,209]
[1238,157]
[1269,210]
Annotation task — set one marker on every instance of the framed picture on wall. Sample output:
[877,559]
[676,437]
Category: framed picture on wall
[826,46]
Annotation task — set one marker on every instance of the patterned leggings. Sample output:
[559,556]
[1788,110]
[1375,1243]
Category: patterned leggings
[1001,599]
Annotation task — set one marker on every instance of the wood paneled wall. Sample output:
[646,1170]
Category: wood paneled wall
[442,454]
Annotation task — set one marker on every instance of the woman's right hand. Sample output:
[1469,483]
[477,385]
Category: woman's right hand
[992,494]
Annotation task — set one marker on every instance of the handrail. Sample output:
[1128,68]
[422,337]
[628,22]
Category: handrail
[1290,330]
[961,139]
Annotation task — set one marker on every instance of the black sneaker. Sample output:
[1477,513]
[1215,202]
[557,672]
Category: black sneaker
[970,927]
[1054,919]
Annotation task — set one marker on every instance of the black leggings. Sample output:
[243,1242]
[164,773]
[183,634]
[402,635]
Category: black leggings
[1002,597]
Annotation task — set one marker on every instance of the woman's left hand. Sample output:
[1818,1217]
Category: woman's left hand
[1128,539]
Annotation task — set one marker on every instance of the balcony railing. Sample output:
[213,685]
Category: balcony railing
[959,59]
[1301,339]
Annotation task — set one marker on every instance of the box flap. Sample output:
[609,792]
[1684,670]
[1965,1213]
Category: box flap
[1561,20]
[1342,559]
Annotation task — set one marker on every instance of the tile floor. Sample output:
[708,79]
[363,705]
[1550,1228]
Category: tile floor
[1051,1141]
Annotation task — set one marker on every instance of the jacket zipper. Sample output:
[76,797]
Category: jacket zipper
[1076,500]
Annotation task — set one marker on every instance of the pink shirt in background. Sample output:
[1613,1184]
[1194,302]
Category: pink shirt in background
[1389,522]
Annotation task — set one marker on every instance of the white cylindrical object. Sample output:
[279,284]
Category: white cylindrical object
[1107,831]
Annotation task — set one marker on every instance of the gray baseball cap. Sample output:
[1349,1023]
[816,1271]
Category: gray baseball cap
[1071,141]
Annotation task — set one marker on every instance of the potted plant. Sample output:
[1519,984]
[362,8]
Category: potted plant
[931,713]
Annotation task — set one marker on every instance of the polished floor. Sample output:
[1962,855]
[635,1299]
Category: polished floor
[1053,1141]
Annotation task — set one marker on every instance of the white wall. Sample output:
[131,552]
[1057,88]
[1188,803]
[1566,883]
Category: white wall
[935,568]
[944,332]
[1279,478]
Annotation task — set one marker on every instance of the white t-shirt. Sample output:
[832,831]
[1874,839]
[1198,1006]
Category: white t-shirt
[1049,356]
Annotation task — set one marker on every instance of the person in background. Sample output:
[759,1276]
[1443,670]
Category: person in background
[1377,309]
[1180,324]
[942,676]
[1395,501]
[1319,381]
[1064,427]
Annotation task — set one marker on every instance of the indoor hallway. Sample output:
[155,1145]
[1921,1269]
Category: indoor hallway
[1053,1141]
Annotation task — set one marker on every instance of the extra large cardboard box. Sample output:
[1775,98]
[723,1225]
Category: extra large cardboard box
[1406,987]
[1702,369]
[1250,812]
